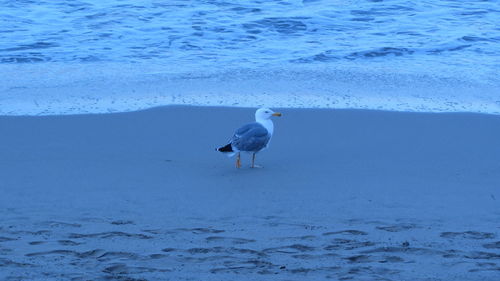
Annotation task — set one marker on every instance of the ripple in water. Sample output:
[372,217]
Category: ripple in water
[207,34]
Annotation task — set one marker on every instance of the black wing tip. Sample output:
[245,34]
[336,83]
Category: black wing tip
[226,148]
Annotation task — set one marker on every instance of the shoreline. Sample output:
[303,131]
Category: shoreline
[111,88]
[236,107]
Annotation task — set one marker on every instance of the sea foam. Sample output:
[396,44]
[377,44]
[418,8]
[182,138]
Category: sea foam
[95,88]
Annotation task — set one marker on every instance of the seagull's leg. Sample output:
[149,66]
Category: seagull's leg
[238,161]
[253,162]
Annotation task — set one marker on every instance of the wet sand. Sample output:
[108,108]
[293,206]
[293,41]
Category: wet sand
[343,194]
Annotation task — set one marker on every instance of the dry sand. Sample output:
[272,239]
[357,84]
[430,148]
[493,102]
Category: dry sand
[361,195]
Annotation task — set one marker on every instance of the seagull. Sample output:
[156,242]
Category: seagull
[252,137]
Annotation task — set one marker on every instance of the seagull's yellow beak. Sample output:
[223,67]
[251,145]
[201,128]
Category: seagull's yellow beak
[277,114]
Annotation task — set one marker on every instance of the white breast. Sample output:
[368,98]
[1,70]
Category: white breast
[268,124]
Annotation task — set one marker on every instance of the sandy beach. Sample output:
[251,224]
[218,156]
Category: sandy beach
[342,195]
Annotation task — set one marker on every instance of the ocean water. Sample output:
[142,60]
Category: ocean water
[69,57]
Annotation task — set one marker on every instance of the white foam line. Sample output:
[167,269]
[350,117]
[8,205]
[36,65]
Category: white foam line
[108,90]
[83,105]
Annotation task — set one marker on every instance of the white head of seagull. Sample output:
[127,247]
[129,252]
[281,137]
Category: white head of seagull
[252,137]
[263,116]
[265,113]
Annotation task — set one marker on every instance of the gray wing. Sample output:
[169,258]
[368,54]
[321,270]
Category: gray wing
[251,137]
